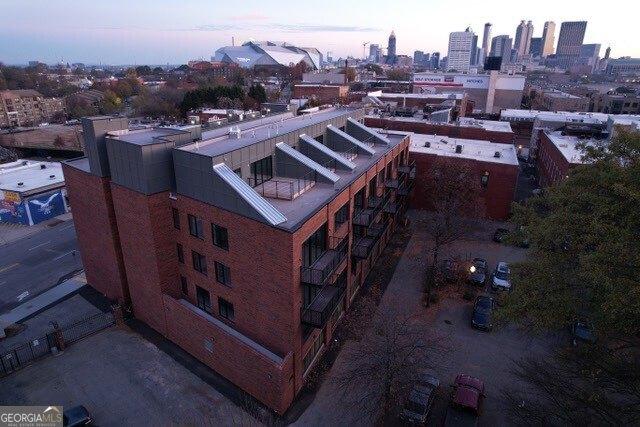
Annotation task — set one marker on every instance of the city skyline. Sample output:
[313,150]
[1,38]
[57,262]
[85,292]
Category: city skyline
[162,32]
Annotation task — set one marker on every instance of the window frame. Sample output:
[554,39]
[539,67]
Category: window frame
[229,310]
[176,218]
[215,228]
[180,253]
[184,285]
[201,264]
[200,303]
[223,274]
[195,226]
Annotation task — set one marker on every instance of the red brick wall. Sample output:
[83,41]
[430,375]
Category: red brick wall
[250,370]
[444,130]
[552,165]
[146,233]
[97,232]
[323,93]
[496,198]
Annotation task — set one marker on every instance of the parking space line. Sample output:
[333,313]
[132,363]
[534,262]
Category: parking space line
[63,255]
[9,267]
[40,245]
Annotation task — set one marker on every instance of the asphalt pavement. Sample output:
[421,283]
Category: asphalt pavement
[35,263]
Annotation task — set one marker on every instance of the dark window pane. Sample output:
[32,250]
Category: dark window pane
[223,274]
[314,246]
[184,285]
[180,253]
[220,236]
[203,299]
[225,308]
[195,227]
[176,218]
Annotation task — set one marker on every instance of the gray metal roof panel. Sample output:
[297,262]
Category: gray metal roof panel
[244,190]
[307,161]
[351,139]
[329,152]
[365,129]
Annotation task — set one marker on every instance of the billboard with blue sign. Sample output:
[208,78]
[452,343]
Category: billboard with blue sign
[32,210]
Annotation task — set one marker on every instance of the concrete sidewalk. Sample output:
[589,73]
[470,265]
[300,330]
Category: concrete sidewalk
[43,300]
[12,232]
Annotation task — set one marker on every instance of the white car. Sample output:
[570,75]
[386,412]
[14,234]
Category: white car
[500,277]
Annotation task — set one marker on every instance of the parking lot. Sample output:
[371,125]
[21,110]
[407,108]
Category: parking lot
[487,355]
[122,379]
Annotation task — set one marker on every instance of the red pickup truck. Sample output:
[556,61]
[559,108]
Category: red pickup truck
[466,400]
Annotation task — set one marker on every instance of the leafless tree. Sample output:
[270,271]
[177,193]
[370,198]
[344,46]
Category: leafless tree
[452,192]
[584,386]
[379,370]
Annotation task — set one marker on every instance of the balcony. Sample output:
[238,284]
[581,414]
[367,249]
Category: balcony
[408,169]
[364,246]
[324,267]
[366,217]
[282,187]
[392,208]
[322,306]
[405,188]
[392,183]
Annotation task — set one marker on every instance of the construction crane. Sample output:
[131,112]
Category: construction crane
[364,50]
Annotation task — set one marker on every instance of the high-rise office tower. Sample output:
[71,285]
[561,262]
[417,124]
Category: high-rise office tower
[570,42]
[607,53]
[522,42]
[486,39]
[536,47]
[501,46]
[418,57]
[548,38]
[462,50]
[435,60]
[392,58]
[374,53]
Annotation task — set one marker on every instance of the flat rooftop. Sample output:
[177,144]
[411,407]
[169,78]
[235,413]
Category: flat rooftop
[570,146]
[35,176]
[223,144]
[473,149]
[244,125]
[560,94]
[144,136]
[567,116]
[488,125]
[444,96]
[297,211]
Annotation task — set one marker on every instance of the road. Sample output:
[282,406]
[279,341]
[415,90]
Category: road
[35,263]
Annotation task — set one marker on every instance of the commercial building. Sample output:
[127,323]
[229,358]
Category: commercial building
[268,55]
[31,192]
[320,92]
[490,92]
[27,107]
[464,128]
[558,152]
[494,166]
[556,100]
[589,57]
[486,39]
[570,43]
[462,50]
[522,42]
[623,66]
[501,46]
[615,103]
[457,102]
[244,249]
[548,38]
[375,53]
[392,56]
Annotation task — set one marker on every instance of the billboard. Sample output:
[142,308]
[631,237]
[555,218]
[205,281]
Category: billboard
[46,206]
[465,81]
[12,209]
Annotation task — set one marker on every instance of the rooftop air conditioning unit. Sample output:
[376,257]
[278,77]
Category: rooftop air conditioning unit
[52,176]
[427,144]
[497,155]
[43,166]
[20,184]
[235,133]
[458,148]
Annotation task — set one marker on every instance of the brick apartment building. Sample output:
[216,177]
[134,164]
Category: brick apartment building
[26,107]
[245,249]
[459,103]
[557,154]
[465,128]
[326,94]
[494,166]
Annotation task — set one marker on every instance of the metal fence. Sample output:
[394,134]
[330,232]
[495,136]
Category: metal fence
[35,349]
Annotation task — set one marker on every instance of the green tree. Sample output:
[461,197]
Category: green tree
[258,93]
[111,103]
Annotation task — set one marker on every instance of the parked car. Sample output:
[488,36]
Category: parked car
[478,272]
[448,270]
[420,401]
[466,401]
[76,416]
[482,309]
[582,331]
[500,279]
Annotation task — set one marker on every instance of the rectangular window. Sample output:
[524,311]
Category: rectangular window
[261,171]
[342,215]
[313,351]
[220,236]
[203,299]
[223,274]
[176,218]
[184,285]
[195,227]
[372,187]
[199,262]
[358,200]
[225,308]
[309,293]
[180,253]
[314,246]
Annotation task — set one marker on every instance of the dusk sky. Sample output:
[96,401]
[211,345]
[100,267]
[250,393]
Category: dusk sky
[161,31]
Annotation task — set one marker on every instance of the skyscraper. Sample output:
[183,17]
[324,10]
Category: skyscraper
[392,58]
[570,42]
[374,53]
[536,47]
[461,50]
[548,38]
[522,42]
[607,53]
[501,46]
[486,39]
[435,60]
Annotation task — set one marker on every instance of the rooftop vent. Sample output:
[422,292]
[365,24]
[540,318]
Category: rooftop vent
[43,166]
[497,155]
[24,163]
[235,133]
[444,141]
[458,148]
[20,184]
[427,144]
[52,176]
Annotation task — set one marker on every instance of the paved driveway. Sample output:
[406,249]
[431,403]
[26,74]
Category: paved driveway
[487,355]
[124,381]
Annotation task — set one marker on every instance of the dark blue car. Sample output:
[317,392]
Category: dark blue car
[481,317]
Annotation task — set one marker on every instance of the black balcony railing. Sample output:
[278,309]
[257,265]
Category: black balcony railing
[363,247]
[392,183]
[392,208]
[408,169]
[322,306]
[323,268]
[405,188]
[367,216]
